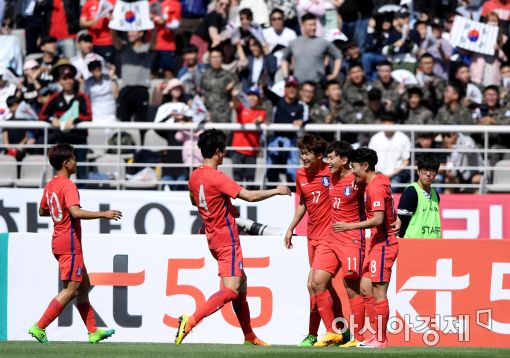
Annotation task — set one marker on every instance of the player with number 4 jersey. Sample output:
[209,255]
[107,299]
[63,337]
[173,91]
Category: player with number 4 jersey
[211,191]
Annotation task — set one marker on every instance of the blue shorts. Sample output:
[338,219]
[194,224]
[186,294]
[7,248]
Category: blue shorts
[163,60]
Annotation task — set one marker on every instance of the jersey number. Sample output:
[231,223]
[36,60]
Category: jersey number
[201,198]
[352,263]
[55,207]
[316,196]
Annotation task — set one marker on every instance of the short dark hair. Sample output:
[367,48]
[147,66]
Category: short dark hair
[426,55]
[11,100]
[216,49]
[427,161]
[277,10]
[365,155]
[354,65]
[341,148]
[211,140]
[246,12]
[456,88]
[93,65]
[190,49]
[331,83]
[460,65]
[59,153]
[385,63]
[308,83]
[491,87]
[313,144]
[308,16]
[505,64]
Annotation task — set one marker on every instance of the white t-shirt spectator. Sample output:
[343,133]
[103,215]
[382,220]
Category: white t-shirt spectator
[7,90]
[391,151]
[81,64]
[167,110]
[273,39]
[11,55]
[102,99]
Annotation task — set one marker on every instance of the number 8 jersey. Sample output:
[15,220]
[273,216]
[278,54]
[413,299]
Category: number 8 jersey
[211,190]
[58,196]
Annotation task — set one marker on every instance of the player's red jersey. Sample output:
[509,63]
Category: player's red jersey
[314,187]
[347,206]
[59,195]
[211,191]
[378,197]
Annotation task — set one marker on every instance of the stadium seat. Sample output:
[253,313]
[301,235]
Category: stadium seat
[501,177]
[152,139]
[33,169]
[97,137]
[108,164]
[8,170]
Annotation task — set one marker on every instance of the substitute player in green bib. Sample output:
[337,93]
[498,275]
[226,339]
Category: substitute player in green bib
[418,208]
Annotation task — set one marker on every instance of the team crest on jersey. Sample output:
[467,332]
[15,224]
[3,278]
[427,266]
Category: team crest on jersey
[325,181]
[79,271]
[347,190]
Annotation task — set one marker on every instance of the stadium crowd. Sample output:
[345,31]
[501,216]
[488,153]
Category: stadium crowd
[259,61]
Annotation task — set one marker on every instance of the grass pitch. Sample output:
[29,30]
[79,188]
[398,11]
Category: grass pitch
[126,350]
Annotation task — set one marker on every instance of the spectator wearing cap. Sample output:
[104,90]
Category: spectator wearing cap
[356,88]
[393,150]
[135,57]
[48,60]
[278,33]
[417,113]
[7,89]
[207,34]
[192,71]
[103,90]
[453,111]
[59,104]
[215,87]
[11,55]
[255,65]
[63,20]
[439,48]
[166,15]
[391,90]
[289,110]
[98,29]
[432,85]
[30,85]
[309,52]
[247,142]
[85,56]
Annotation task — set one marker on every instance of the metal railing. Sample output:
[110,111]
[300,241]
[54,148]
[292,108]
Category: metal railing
[266,131]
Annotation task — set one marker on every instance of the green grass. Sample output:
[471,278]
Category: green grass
[78,350]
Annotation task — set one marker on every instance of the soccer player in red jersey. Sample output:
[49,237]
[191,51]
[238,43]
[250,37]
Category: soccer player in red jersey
[211,191]
[61,201]
[383,248]
[312,183]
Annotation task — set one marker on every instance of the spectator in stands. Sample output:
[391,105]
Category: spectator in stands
[504,85]
[207,34]
[48,60]
[432,85]
[63,21]
[10,51]
[391,90]
[255,65]
[426,141]
[402,53]
[502,8]
[252,113]
[166,15]
[74,107]
[458,157]
[309,53]
[19,111]
[80,60]
[485,69]
[32,13]
[318,9]
[462,79]
[417,113]
[278,33]
[289,11]
[420,33]
[103,90]
[355,88]
[453,111]
[7,89]
[439,48]
[355,15]
[246,31]
[288,109]
[393,150]
[135,57]
[176,103]
[97,27]
[352,54]
[215,87]
[259,8]
[307,98]
[192,71]
[30,85]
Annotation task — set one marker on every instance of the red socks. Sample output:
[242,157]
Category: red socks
[214,303]
[325,305]
[51,313]
[358,314]
[368,302]
[242,311]
[315,318]
[87,315]
[382,314]
[337,307]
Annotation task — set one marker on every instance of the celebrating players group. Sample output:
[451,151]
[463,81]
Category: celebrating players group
[339,189]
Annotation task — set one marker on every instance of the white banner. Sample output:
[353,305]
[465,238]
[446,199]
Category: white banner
[131,16]
[144,212]
[474,36]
